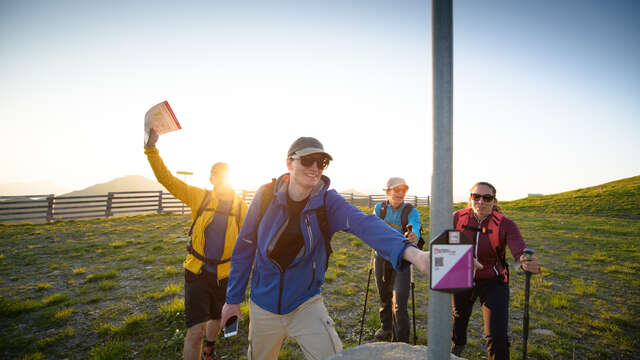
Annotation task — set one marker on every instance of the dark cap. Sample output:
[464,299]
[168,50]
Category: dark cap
[307,146]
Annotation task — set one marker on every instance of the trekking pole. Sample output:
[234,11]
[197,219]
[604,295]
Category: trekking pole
[525,319]
[366,294]
[413,298]
[413,306]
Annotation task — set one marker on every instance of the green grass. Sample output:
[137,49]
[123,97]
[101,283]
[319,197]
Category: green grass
[111,274]
[63,314]
[116,285]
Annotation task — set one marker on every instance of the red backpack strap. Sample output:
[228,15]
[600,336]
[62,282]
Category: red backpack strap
[464,216]
[494,233]
[494,237]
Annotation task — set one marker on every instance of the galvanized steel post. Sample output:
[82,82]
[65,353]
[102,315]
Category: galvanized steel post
[439,310]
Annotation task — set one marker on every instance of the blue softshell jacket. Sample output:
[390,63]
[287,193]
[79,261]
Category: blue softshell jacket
[394,216]
[281,292]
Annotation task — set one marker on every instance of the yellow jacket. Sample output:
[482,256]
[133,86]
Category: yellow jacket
[193,196]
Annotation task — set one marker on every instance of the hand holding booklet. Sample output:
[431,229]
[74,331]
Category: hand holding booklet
[160,118]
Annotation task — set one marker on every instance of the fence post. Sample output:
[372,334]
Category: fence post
[107,212]
[50,199]
[160,209]
[370,200]
[415,201]
[351,198]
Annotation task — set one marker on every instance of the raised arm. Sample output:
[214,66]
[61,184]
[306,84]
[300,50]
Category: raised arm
[190,195]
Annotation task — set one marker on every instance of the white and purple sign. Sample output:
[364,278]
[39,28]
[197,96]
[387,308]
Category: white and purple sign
[451,267]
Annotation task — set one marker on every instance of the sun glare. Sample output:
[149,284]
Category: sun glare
[241,180]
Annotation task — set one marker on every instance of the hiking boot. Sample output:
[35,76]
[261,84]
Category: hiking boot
[457,349]
[383,335]
[209,351]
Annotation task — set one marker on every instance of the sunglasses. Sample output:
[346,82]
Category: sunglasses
[308,160]
[486,198]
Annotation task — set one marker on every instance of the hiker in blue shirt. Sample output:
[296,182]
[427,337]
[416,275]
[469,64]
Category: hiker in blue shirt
[393,286]
[283,247]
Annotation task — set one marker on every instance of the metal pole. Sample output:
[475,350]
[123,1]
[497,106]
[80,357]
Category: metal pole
[439,311]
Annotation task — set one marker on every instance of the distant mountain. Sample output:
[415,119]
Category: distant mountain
[353,191]
[32,188]
[126,183]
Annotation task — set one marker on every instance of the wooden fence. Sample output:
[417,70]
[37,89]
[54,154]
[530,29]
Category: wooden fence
[55,208]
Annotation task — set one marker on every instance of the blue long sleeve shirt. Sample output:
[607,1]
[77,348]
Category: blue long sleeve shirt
[393,218]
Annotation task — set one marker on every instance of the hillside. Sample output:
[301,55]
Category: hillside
[126,183]
[620,198]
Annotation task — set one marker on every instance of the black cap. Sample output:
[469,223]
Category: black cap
[307,146]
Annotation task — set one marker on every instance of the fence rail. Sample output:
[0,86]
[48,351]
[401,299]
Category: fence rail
[49,207]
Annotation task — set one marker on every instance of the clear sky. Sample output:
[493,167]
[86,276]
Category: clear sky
[546,93]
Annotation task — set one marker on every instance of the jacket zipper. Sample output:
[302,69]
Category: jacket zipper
[313,276]
[477,245]
[280,292]
[269,248]
[306,219]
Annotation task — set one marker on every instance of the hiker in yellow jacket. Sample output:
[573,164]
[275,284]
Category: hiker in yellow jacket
[213,238]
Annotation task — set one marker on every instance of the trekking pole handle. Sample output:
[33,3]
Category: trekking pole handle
[528,253]
[409,229]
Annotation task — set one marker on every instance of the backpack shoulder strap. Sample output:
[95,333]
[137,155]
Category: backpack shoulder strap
[383,209]
[464,217]
[238,213]
[494,233]
[404,216]
[404,221]
[203,205]
[493,230]
[267,196]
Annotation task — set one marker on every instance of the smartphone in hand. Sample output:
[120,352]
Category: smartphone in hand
[231,327]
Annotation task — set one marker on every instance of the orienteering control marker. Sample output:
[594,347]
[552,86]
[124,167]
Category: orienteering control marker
[451,262]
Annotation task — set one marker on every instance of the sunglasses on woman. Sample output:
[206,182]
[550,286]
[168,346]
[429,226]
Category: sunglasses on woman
[307,161]
[486,197]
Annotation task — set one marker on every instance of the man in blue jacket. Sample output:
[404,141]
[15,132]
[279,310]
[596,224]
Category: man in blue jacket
[286,249]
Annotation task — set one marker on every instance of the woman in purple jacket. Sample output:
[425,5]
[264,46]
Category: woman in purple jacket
[492,232]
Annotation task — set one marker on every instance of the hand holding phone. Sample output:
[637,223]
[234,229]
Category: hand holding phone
[231,327]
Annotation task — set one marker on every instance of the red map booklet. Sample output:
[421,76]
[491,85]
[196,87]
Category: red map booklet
[160,118]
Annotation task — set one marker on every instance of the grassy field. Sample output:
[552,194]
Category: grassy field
[113,289]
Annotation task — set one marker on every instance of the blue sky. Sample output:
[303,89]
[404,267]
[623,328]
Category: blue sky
[546,93]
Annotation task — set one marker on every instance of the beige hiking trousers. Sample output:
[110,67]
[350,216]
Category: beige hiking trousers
[309,325]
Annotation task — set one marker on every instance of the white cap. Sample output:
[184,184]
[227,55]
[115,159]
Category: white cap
[395,182]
